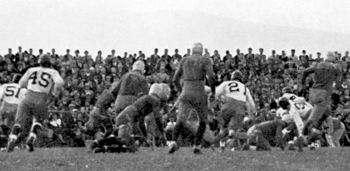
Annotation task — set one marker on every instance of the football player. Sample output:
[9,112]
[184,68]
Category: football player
[325,75]
[193,70]
[237,100]
[42,83]
[287,93]
[265,133]
[131,86]
[133,117]
[10,96]
[125,92]
[295,111]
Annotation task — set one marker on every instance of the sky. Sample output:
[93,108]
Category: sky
[133,25]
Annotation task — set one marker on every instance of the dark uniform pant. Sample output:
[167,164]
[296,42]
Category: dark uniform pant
[320,99]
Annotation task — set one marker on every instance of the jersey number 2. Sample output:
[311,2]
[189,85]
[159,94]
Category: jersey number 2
[44,79]
[233,87]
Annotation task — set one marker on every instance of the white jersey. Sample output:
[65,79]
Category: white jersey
[296,112]
[11,93]
[42,80]
[238,91]
[290,97]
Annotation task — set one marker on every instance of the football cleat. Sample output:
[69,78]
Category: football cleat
[173,147]
[30,143]
[300,143]
[222,149]
[94,145]
[11,143]
[312,147]
[197,151]
[222,146]
[245,147]
[99,150]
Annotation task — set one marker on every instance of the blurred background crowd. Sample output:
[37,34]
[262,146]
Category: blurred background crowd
[87,75]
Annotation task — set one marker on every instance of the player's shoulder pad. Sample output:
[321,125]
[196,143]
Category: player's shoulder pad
[29,70]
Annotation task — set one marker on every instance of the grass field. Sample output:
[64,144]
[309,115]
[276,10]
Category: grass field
[146,159]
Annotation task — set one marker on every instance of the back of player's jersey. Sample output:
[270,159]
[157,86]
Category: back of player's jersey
[235,90]
[42,80]
[325,74]
[12,93]
[300,108]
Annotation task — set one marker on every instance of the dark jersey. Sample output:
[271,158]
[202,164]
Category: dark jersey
[146,105]
[132,84]
[271,128]
[193,69]
[325,74]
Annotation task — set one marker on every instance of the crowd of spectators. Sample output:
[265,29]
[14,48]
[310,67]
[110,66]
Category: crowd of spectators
[87,76]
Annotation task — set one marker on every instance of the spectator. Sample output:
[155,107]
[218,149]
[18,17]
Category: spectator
[176,58]
[261,56]
[249,57]
[304,59]
[10,57]
[188,53]
[110,57]
[154,59]
[55,125]
[227,56]
[318,57]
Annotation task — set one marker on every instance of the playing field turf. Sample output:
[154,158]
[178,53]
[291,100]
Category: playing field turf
[146,159]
